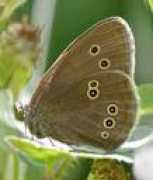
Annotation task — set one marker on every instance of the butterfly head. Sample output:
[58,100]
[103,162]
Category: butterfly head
[30,119]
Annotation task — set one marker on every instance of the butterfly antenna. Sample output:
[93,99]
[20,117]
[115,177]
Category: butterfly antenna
[52,142]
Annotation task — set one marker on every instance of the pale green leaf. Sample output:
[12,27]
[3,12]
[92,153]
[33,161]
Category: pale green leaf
[146,98]
[62,165]
[39,154]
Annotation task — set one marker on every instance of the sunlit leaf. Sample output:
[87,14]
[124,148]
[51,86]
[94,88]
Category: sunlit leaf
[62,165]
[35,152]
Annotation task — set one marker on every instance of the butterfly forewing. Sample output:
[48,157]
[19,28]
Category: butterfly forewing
[109,40]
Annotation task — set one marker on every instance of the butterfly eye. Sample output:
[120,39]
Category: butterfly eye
[104,135]
[104,64]
[93,84]
[109,123]
[93,93]
[95,50]
[112,109]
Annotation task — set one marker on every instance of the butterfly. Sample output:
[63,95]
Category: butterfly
[88,96]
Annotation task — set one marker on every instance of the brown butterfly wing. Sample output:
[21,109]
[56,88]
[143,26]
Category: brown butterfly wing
[60,108]
[116,44]
[72,117]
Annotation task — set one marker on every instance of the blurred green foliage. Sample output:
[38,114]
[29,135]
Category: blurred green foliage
[146,98]
[109,169]
[7,9]
[19,52]
[151,4]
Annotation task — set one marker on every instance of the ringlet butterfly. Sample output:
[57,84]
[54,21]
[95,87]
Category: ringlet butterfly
[88,97]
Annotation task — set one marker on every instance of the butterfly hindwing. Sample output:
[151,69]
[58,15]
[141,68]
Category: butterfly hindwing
[75,117]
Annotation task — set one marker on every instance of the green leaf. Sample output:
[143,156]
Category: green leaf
[7,9]
[61,164]
[42,155]
[146,98]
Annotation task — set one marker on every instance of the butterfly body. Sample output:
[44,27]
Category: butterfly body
[88,95]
